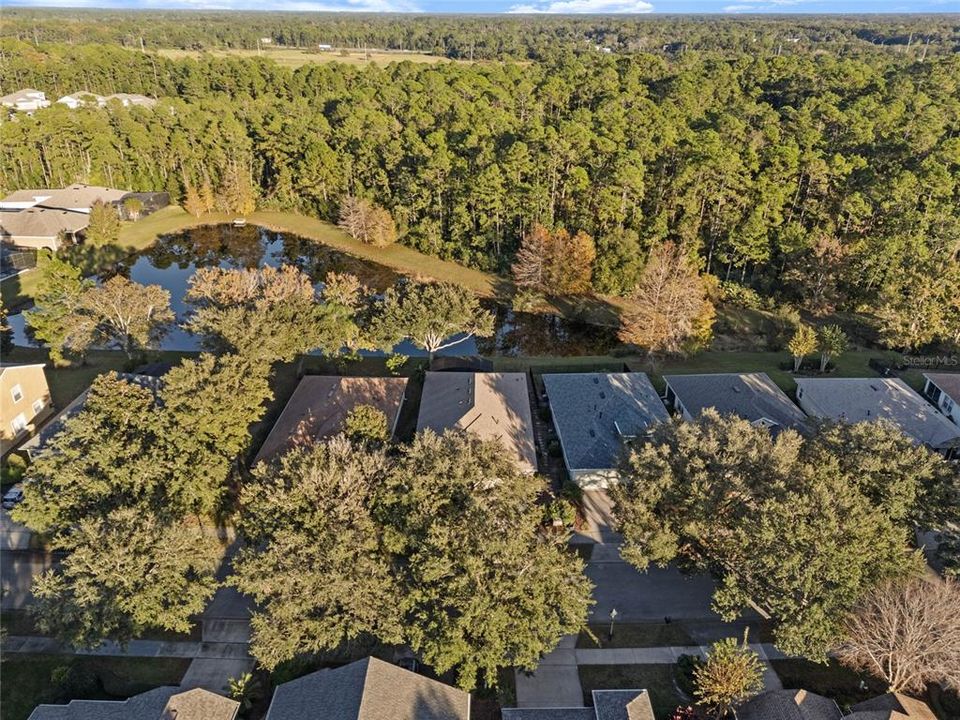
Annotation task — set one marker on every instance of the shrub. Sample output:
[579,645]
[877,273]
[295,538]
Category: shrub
[737,294]
[396,362]
[12,469]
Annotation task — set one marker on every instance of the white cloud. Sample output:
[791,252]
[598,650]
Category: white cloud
[365,6]
[599,7]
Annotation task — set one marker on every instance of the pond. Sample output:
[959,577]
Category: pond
[174,258]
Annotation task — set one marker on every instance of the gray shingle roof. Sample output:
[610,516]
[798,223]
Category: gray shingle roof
[607,705]
[488,405]
[368,689]
[622,705]
[594,411]
[947,382]
[789,705]
[751,396]
[856,400]
[163,703]
[583,713]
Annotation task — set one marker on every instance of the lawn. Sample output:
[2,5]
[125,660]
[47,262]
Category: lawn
[832,680]
[656,679]
[297,57]
[635,635]
[28,680]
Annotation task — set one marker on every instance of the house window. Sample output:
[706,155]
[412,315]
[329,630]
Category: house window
[17,392]
[37,406]
[19,424]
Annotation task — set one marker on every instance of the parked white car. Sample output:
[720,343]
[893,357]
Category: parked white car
[12,496]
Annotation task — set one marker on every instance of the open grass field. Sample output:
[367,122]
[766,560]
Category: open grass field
[29,680]
[297,57]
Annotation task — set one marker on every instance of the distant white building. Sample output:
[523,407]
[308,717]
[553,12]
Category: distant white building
[82,99]
[129,99]
[323,46]
[266,41]
[26,100]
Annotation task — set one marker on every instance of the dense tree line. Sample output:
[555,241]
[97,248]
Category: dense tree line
[829,182]
[489,37]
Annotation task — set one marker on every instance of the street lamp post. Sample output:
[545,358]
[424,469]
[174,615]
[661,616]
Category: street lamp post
[613,616]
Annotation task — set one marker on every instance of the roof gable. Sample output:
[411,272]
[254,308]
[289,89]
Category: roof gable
[595,412]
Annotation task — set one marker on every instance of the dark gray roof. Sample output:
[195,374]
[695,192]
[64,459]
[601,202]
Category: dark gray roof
[949,383]
[856,400]
[583,713]
[594,411]
[789,705]
[607,705]
[163,703]
[751,396]
[622,705]
[368,689]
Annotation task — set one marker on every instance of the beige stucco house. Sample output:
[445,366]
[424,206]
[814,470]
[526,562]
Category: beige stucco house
[24,402]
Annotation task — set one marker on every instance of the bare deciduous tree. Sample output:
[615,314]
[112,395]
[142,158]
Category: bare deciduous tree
[907,634]
[670,307]
[367,222]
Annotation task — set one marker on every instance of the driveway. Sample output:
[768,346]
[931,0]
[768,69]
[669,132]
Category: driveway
[648,596]
[13,536]
[17,570]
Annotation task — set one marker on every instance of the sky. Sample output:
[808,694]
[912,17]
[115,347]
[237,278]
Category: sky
[526,6]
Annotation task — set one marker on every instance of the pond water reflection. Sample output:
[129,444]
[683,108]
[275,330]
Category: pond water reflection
[174,258]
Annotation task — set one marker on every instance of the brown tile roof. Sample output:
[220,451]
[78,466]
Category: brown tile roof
[368,689]
[321,403]
[199,704]
[489,405]
[947,382]
[892,706]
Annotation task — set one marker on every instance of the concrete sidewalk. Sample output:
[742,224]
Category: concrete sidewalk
[556,682]
[135,648]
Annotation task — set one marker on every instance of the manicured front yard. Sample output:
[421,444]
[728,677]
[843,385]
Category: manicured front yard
[656,679]
[29,680]
[635,635]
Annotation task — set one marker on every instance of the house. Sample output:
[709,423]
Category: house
[492,406]
[368,689]
[803,705]
[607,705]
[856,400]
[162,703]
[82,99]
[23,199]
[40,227]
[26,100]
[144,377]
[131,99]
[751,396]
[789,705]
[320,405]
[892,706]
[24,402]
[43,218]
[595,414]
[943,390]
